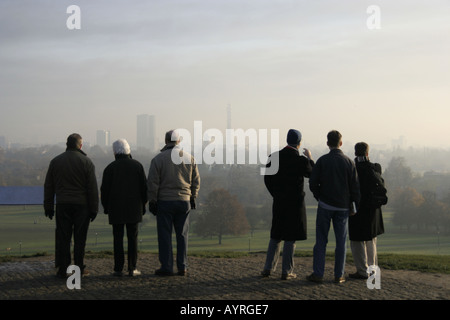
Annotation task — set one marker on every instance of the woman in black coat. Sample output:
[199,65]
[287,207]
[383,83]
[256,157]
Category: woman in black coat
[123,196]
[288,210]
[367,223]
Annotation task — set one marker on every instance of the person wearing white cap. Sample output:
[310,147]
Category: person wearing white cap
[124,196]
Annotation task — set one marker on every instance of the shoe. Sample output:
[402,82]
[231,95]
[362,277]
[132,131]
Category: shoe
[85,273]
[313,278]
[357,275]
[117,273]
[134,273]
[339,279]
[62,275]
[265,273]
[182,272]
[163,273]
[287,276]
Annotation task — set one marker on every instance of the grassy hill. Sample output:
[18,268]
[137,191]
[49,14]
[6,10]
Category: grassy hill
[24,230]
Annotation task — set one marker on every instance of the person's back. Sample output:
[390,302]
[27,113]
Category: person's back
[71,181]
[289,180]
[289,222]
[123,196]
[334,179]
[334,183]
[72,177]
[169,181]
[124,190]
[367,223]
[173,185]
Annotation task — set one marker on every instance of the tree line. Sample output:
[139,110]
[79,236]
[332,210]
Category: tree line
[234,201]
[420,202]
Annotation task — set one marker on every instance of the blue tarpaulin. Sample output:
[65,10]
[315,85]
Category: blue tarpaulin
[21,195]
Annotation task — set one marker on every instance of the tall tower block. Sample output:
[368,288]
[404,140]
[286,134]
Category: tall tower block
[145,138]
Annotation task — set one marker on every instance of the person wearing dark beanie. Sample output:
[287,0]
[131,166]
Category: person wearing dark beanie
[294,137]
[288,211]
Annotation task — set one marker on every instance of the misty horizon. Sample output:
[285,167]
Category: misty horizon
[309,66]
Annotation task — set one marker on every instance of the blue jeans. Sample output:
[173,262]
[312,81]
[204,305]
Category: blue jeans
[273,254]
[173,214]
[340,227]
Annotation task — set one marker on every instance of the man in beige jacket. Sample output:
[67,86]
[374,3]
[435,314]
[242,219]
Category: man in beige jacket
[173,184]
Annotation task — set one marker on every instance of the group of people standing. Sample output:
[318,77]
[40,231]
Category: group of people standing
[342,187]
[344,190]
[170,192]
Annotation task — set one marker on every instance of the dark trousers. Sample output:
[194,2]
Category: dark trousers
[119,255]
[70,219]
[173,215]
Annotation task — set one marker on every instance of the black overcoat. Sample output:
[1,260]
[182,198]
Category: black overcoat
[367,223]
[124,190]
[286,188]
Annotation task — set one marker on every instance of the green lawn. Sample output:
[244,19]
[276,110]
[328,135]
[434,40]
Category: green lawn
[25,230]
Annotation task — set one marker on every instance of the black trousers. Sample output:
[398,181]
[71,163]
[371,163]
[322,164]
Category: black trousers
[70,219]
[119,255]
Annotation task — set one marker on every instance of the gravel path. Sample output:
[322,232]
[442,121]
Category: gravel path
[210,279]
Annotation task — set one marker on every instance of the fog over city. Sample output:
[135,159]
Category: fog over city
[377,71]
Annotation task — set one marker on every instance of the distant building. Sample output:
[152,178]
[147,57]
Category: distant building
[3,143]
[145,138]
[399,143]
[103,138]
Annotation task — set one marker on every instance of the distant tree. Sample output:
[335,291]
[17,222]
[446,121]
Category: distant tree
[221,215]
[430,210]
[254,217]
[446,218]
[266,213]
[407,203]
[398,174]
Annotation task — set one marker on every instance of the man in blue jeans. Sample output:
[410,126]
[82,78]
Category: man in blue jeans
[334,183]
[173,184]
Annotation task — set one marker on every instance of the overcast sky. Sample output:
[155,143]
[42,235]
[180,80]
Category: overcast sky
[279,64]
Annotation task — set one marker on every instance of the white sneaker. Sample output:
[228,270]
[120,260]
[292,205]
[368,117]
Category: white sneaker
[134,273]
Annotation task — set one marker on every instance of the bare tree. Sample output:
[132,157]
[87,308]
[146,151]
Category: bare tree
[222,215]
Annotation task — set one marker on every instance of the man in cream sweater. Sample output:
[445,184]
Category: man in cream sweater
[173,184]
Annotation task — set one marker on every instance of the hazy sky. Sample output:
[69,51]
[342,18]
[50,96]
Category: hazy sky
[280,64]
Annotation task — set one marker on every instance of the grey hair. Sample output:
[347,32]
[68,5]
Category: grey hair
[121,146]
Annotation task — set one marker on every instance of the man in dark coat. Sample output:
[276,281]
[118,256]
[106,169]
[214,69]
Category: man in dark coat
[367,224]
[124,196]
[71,181]
[289,210]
